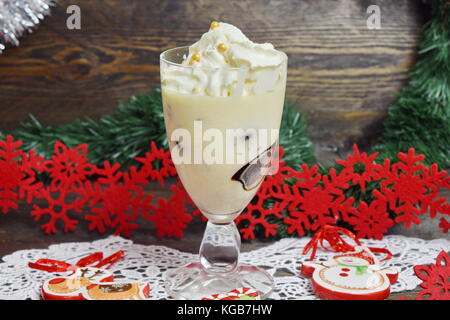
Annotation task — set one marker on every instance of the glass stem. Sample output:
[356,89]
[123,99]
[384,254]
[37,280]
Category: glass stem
[219,251]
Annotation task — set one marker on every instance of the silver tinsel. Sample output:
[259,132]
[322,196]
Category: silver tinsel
[18,16]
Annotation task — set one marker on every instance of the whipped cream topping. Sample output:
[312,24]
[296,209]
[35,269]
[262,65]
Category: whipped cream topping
[224,62]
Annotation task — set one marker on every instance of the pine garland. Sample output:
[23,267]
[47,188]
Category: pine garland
[420,118]
[127,132]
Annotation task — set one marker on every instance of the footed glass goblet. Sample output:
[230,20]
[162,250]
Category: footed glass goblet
[223,144]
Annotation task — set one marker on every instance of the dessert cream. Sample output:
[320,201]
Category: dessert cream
[224,81]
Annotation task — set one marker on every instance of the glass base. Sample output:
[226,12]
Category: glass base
[191,282]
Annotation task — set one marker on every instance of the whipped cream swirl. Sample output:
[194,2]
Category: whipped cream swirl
[224,62]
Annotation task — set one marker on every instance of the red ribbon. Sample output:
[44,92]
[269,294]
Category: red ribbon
[94,260]
[336,242]
[382,250]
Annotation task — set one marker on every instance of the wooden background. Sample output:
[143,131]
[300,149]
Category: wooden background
[341,75]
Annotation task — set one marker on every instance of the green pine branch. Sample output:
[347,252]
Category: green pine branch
[420,118]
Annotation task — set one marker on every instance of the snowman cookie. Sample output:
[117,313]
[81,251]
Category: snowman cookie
[351,276]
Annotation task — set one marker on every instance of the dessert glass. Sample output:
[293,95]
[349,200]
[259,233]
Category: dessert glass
[221,186]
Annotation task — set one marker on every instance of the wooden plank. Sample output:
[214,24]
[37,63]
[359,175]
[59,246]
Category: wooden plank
[341,75]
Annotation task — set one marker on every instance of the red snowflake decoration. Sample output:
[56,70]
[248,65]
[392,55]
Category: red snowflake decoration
[317,200]
[68,167]
[117,199]
[58,209]
[435,279]
[303,200]
[170,216]
[370,171]
[17,174]
[154,159]
[306,200]
[411,188]
[371,221]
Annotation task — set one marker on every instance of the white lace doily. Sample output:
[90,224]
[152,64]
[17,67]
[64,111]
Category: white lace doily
[147,263]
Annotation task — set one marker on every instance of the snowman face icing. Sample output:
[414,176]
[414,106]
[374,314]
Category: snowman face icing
[352,261]
[351,272]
